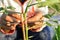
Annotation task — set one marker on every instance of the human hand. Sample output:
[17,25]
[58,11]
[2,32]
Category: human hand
[38,16]
[9,22]
[36,22]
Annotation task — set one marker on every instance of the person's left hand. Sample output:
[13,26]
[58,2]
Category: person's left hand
[9,22]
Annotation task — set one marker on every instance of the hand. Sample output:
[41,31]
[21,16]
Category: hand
[36,22]
[38,16]
[9,22]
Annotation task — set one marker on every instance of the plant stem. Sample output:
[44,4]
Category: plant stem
[23,28]
[26,25]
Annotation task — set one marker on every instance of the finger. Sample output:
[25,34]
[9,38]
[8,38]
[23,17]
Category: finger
[15,20]
[9,19]
[5,27]
[6,18]
[8,24]
[16,15]
[13,26]
[35,27]
[11,23]
[36,17]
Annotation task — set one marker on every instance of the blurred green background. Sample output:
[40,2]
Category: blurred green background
[53,16]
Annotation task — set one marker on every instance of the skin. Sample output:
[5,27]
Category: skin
[10,21]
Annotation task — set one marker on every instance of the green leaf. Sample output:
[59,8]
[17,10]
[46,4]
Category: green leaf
[57,7]
[54,38]
[47,16]
[6,12]
[10,7]
[53,1]
[58,29]
[47,2]
[48,24]
[27,6]
[33,4]
[55,21]
[1,8]
[58,32]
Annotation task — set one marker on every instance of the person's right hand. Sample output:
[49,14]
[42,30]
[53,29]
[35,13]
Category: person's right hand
[9,22]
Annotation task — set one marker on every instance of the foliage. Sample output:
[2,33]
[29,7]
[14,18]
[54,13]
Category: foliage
[55,6]
[5,10]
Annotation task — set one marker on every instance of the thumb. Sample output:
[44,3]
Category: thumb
[36,17]
[31,12]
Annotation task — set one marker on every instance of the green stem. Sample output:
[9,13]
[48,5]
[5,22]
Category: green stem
[26,25]
[23,28]
[27,6]
[26,31]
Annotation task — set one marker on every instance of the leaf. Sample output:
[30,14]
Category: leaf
[47,16]
[33,4]
[55,21]
[48,2]
[10,7]
[54,38]
[58,32]
[53,1]
[48,24]
[1,8]
[27,6]
[57,7]
[6,12]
